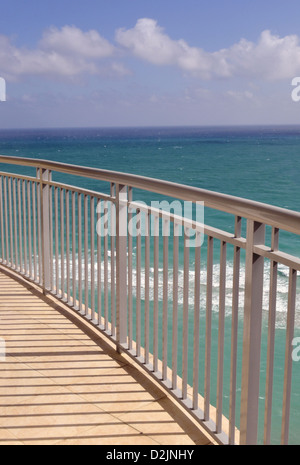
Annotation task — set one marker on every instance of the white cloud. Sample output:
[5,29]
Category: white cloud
[69,52]
[70,40]
[148,41]
[271,58]
[61,52]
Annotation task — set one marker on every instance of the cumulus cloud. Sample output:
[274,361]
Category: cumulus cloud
[272,57]
[71,40]
[69,52]
[61,52]
[148,41]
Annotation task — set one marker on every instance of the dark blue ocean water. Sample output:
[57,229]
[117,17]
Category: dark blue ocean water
[259,163]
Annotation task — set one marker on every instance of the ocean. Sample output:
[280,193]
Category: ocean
[258,163]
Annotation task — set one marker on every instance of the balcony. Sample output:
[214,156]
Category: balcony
[154,282]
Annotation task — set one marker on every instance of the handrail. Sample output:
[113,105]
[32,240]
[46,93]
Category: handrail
[274,216]
[48,235]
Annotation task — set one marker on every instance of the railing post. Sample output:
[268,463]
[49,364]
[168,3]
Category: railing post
[45,175]
[121,264]
[252,335]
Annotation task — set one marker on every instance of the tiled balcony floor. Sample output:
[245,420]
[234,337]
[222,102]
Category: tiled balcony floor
[62,383]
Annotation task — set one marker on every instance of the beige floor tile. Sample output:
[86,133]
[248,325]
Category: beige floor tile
[25,390]
[51,404]
[121,397]
[71,368]
[115,381]
[34,395]
[32,378]
[62,383]
[110,435]
[58,422]
[165,423]
[17,378]
[119,401]
[8,439]
[37,341]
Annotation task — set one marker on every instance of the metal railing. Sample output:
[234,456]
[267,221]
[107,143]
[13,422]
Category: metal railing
[128,267]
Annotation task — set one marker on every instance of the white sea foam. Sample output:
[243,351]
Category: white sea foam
[282,285]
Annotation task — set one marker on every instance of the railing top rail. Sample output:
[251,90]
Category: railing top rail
[268,214]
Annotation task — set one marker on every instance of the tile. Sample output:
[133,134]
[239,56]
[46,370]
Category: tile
[52,422]
[116,397]
[56,401]
[118,402]
[18,394]
[62,383]
[8,439]
[164,423]
[109,382]
[110,435]
[71,366]
[30,378]
[16,378]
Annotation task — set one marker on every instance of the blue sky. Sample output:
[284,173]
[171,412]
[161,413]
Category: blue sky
[140,62]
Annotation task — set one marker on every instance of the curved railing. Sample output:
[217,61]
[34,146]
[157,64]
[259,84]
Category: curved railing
[169,289]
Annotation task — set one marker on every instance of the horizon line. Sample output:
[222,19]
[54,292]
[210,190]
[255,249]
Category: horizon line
[224,126]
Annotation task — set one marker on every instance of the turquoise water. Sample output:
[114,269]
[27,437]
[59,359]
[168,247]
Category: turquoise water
[262,164]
